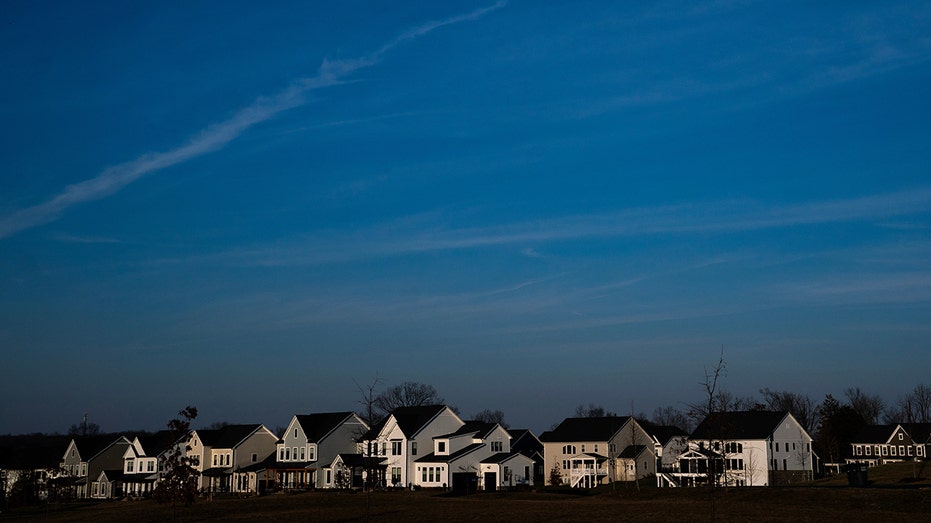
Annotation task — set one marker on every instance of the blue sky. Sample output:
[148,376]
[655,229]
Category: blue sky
[528,205]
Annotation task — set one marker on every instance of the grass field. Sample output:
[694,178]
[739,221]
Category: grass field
[888,499]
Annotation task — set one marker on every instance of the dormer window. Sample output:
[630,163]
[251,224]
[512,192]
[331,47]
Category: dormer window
[440,446]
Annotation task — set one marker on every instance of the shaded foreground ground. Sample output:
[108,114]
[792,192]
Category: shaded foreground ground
[624,504]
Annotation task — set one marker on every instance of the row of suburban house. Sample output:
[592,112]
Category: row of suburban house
[432,447]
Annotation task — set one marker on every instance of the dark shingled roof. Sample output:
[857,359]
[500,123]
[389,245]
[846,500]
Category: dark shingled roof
[155,444]
[739,425]
[662,433]
[352,460]
[500,457]
[585,429]
[920,432]
[481,428]
[433,458]
[874,433]
[226,437]
[409,419]
[32,451]
[317,426]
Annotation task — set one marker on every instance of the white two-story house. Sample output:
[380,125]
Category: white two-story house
[747,448]
[404,436]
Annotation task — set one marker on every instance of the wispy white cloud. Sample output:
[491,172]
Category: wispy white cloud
[417,235]
[68,238]
[215,136]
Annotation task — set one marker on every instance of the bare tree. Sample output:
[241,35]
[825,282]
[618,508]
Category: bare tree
[407,394]
[84,428]
[711,410]
[913,407]
[672,417]
[801,406]
[592,411]
[491,416]
[868,406]
[367,401]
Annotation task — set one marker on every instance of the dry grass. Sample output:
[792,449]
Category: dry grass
[825,500]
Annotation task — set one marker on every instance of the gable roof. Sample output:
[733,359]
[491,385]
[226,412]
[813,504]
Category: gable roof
[503,457]
[585,429]
[155,444]
[525,441]
[480,428]
[90,446]
[752,424]
[662,433]
[875,433]
[434,458]
[226,437]
[32,451]
[410,420]
[317,426]
[920,432]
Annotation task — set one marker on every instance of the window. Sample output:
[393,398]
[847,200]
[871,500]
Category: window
[312,453]
[785,465]
[129,465]
[424,472]
[255,457]
[329,477]
[900,436]
[596,447]
[214,460]
[294,453]
[568,449]
[287,454]
[583,447]
[901,450]
[302,453]
[395,475]
[885,450]
[295,432]
[869,450]
[497,446]
[150,467]
[910,450]
[920,451]
[892,450]
[777,447]
[441,446]
[395,447]
[384,448]
[281,454]
[228,456]
[430,474]
[413,448]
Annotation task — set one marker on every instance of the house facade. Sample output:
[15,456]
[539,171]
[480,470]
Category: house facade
[404,436]
[586,452]
[890,443]
[221,455]
[748,448]
[461,452]
[305,453]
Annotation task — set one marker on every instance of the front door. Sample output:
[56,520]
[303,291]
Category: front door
[491,481]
